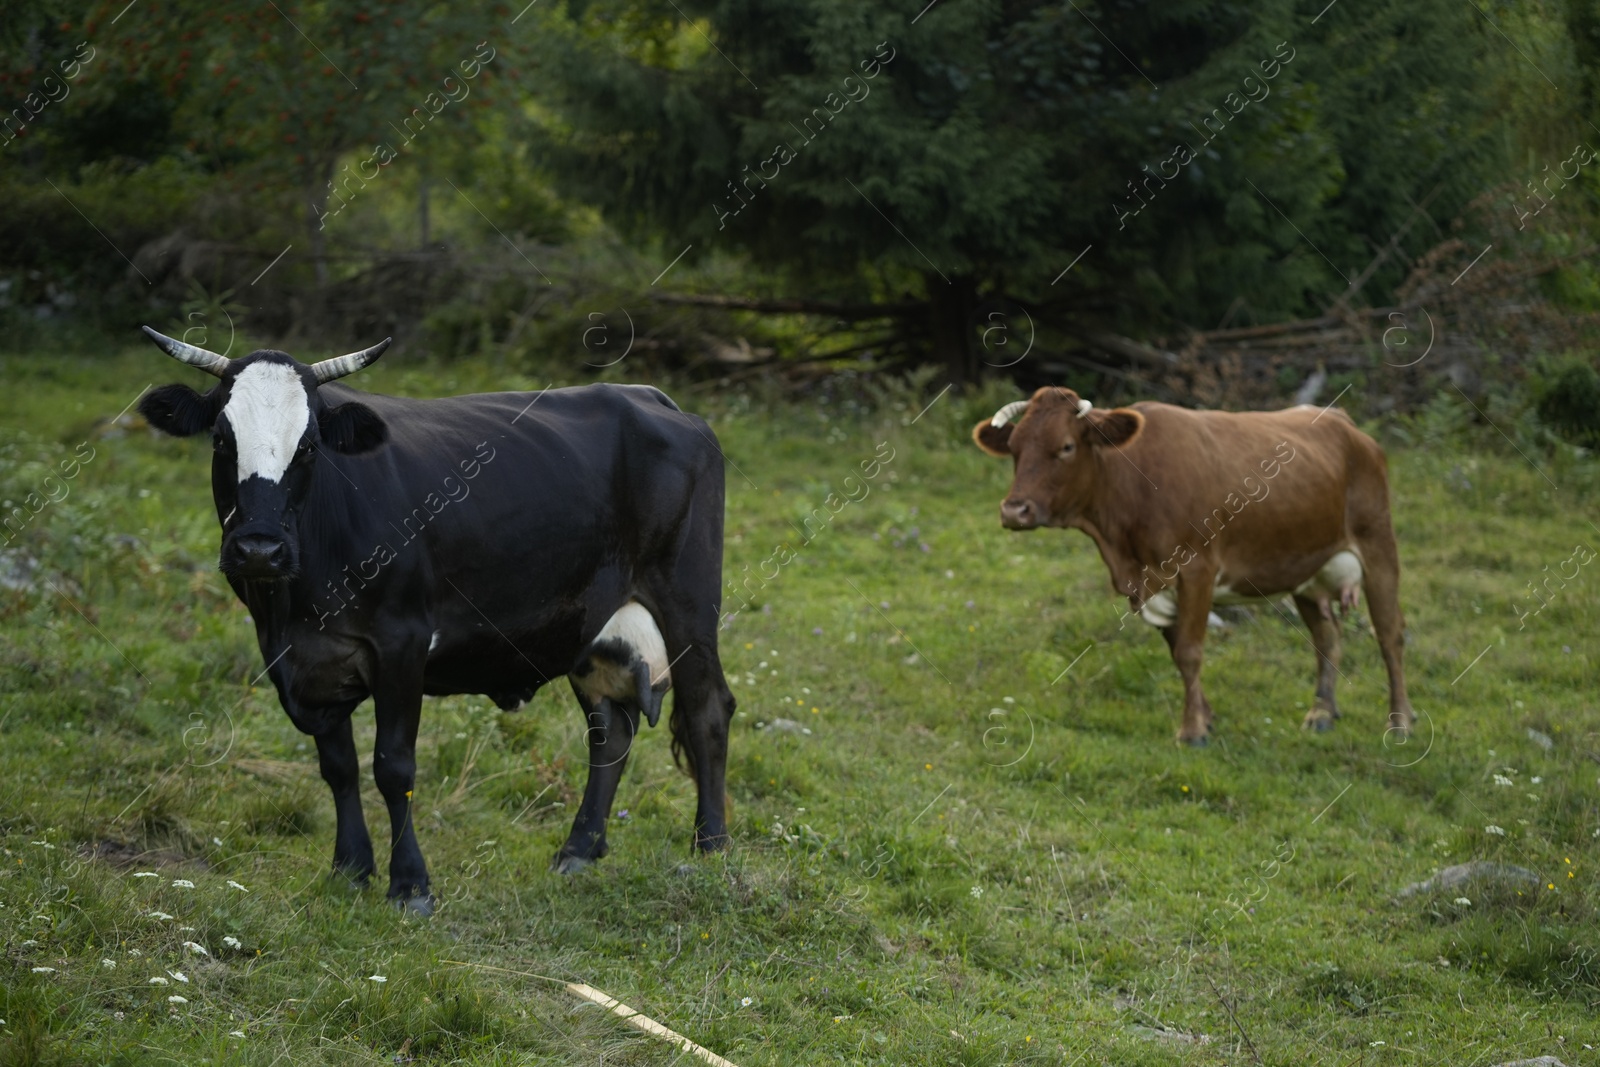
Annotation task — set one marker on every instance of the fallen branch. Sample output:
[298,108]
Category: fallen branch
[616,1007]
[779,306]
[647,1024]
[1126,347]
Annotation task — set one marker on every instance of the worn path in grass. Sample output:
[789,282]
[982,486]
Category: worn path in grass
[986,850]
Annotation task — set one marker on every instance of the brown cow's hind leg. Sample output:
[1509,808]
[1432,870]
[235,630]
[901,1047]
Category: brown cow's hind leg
[1382,581]
[1325,639]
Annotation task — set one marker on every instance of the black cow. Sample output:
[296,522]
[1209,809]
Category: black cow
[398,548]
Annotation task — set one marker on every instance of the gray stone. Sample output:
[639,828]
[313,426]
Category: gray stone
[18,571]
[1476,871]
[1172,1037]
[1537,1061]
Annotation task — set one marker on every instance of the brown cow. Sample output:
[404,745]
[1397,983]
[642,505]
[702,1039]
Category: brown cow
[1189,508]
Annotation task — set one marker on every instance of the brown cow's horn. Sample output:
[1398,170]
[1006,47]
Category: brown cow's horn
[339,366]
[1011,411]
[209,362]
[1083,407]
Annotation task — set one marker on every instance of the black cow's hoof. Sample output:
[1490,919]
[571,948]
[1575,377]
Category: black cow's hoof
[353,878]
[422,904]
[570,864]
[1196,742]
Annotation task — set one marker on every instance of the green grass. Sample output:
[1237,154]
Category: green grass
[972,858]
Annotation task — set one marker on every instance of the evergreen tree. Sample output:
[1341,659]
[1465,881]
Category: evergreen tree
[1192,153]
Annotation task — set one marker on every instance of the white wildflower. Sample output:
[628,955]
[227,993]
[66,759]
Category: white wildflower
[163,916]
[146,874]
[177,1000]
[236,885]
[197,948]
[1501,779]
[29,943]
[180,976]
[44,970]
[232,942]
[376,978]
[1464,902]
[158,980]
[109,965]
[977,891]
[745,1003]
[235,1033]
[1493,829]
[1536,779]
[182,883]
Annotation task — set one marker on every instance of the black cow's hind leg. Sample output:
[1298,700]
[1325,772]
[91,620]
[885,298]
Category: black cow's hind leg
[611,731]
[352,848]
[394,765]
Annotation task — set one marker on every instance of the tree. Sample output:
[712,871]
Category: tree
[1178,156]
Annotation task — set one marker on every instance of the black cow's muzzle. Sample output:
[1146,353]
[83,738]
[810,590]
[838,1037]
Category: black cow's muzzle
[1020,515]
[257,556]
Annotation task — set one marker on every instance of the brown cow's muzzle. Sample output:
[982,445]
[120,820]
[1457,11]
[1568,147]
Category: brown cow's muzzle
[1020,515]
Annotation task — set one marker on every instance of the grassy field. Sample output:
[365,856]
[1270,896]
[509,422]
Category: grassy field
[986,850]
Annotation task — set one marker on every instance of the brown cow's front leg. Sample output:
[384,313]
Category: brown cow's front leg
[1186,638]
[1325,639]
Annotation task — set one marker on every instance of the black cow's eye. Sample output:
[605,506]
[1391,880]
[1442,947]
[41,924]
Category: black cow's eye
[1066,450]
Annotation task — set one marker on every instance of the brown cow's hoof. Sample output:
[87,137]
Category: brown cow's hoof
[1319,720]
[1399,730]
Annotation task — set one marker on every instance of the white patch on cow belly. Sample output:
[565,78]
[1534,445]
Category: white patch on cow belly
[433,642]
[1161,609]
[268,412]
[1341,572]
[636,628]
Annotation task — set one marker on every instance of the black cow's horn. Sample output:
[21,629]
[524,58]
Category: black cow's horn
[339,366]
[209,362]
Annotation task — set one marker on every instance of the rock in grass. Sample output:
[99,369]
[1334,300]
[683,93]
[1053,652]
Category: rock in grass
[1476,871]
[1175,1037]
[1537,1061]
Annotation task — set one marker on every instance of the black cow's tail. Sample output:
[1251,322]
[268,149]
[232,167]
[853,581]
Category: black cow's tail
[678,723]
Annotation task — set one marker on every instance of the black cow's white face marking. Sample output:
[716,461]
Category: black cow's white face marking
[269,415]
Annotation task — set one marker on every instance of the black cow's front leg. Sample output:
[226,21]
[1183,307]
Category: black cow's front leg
[352,848]
[398,702]
[611,731]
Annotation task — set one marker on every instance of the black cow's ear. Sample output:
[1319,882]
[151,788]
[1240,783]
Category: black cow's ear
[995,440]
[1115,427]
[179,410]
[352,428]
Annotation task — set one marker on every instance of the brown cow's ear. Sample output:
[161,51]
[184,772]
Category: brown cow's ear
[1115,427]
[995,440]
